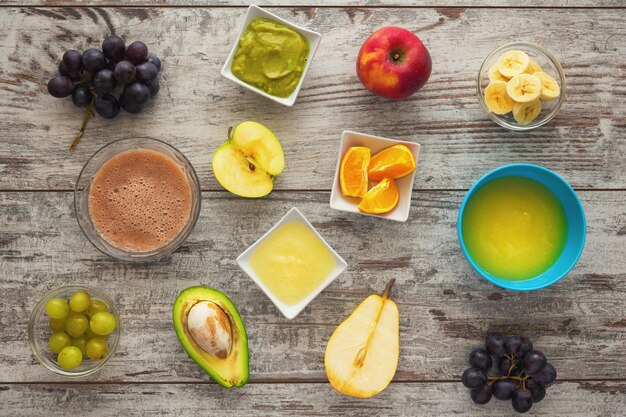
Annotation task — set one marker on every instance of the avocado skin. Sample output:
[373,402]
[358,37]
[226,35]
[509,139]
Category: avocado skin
[233,371]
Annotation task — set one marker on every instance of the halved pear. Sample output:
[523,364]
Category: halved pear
[248,162]
[362,354]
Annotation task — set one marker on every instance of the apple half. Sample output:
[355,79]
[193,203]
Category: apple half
[247,164]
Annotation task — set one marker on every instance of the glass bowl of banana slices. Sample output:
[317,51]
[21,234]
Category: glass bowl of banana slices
[521,86]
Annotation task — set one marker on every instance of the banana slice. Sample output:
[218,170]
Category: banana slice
[549,87]
[494,74]
[524,88]
[513,63]
[525,113]
[533,67]
[496,98]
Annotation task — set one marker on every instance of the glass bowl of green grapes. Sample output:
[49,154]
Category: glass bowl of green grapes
[74,330]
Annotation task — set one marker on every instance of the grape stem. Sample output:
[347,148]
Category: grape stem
[88,113]
[521,379]
[513,363]
[517,378]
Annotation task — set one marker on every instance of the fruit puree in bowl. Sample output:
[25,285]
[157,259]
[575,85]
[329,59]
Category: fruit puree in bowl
[137,199]
[271,56]
[140,200]
[291,263]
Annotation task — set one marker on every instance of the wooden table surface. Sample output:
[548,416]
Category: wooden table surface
[446,309]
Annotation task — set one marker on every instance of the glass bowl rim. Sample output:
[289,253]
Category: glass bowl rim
[496,118]
[37,313]
[155,254]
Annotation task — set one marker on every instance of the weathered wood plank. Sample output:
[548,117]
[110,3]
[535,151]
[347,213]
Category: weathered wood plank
[332,3]
[446,309]
[586,142]
[582,399]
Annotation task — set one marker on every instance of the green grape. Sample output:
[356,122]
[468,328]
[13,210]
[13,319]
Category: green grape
[80,301]
[77,325]
[102,323]
[58,341]
[58,325]
[70,357]
[96,307]
[81,342]
[57,308]
[97,348]
[90,334]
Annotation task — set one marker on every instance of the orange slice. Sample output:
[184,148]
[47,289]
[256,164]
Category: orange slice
[381,198]
[393,162]
[353,171]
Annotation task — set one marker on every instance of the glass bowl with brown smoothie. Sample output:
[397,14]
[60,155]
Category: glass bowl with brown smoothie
[137,199]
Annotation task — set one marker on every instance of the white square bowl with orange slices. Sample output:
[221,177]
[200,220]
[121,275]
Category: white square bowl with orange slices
[366,182]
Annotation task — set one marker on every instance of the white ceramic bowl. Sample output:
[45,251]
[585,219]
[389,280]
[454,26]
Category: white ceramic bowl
[254,12]
[291,311]
[376,144]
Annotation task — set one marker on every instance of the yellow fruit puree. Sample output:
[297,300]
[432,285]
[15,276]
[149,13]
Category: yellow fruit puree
[292,262]
[514,228]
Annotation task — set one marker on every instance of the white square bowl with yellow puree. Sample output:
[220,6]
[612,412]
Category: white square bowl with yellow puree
[292,263]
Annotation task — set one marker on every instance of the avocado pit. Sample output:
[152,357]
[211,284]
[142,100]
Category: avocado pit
[210,328]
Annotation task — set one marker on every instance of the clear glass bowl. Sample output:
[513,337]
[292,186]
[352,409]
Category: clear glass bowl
[81,198]
[546,61]
[39,332]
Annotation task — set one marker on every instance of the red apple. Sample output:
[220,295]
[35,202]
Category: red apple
[393,63]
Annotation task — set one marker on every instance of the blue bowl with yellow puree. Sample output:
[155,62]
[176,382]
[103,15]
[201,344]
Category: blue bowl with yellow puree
[573,222]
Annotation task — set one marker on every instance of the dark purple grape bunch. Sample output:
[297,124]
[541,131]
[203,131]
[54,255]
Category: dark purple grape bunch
[522,373]
[91,78]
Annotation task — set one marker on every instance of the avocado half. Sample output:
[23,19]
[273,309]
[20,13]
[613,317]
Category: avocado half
[233,369]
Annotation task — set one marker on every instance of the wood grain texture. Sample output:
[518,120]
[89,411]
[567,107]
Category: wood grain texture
[586,143]
[583,399]
[327,3]
[446,309]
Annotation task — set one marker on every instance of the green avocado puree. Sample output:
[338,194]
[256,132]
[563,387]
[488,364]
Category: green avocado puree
[271,57]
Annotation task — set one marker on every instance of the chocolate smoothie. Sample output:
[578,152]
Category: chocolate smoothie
[140,200]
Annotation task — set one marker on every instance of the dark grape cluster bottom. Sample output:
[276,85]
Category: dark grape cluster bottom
[522,372]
